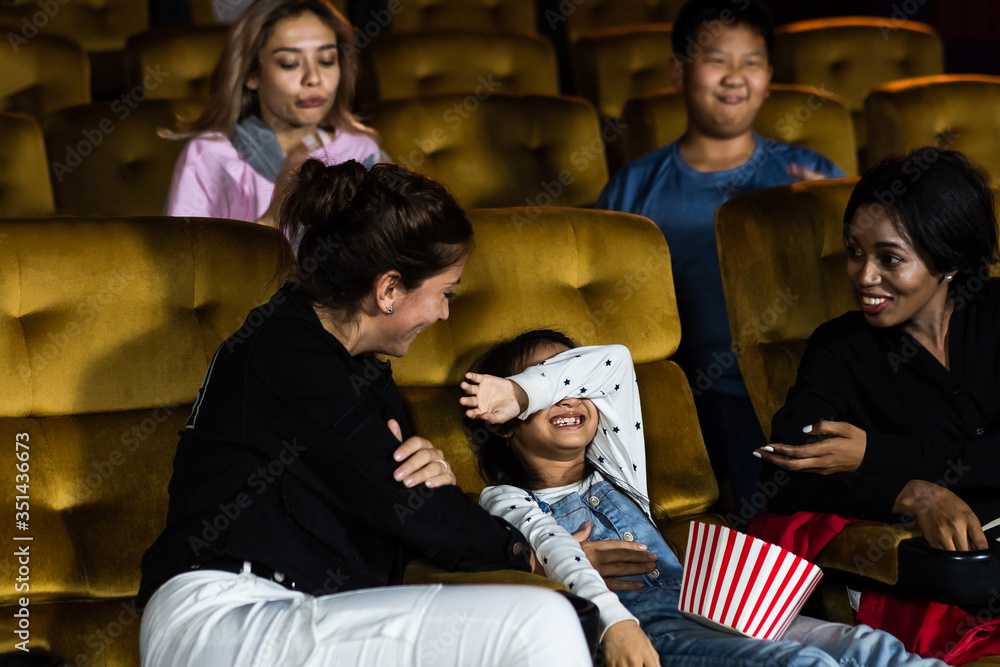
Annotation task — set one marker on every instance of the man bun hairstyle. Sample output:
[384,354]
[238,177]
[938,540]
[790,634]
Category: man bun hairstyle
[353,225]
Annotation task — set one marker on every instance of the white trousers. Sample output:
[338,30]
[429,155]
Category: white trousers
[209,618]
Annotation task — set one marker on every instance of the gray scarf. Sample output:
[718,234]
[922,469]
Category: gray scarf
[258,146]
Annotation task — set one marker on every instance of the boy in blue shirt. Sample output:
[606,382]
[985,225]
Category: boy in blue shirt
[722,66]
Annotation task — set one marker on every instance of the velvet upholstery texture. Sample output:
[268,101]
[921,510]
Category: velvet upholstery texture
[600,277]
[106,329]
[97,25]
[852,54]
[107,159]
[794,114]
[613,65]
[581,18]
[203,14]
[179,61]
[24,178]
[510,16]
[950,111]
[45,74]
[783,263]
[492,149]
[430,63]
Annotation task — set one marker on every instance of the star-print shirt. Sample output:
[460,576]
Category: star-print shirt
[605,375]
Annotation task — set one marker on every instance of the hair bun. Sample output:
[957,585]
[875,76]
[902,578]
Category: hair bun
[331,189]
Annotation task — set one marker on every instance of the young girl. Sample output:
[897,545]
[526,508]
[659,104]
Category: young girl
[284,85]
[566,448]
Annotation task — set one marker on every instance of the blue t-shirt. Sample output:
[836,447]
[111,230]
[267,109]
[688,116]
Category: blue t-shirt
[682,201]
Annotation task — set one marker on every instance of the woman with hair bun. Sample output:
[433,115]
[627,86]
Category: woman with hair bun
[291,515]
[284,86]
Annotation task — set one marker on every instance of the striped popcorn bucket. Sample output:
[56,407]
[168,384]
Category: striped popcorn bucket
[737,583]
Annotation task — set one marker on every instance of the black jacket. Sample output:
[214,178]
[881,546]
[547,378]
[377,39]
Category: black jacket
[922,421]
[287,461]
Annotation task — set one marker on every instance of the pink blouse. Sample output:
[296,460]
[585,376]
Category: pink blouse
[211,180]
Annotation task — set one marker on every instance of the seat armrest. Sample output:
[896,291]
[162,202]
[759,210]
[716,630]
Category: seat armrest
[878,555]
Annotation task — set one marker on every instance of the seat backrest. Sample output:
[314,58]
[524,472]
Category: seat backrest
[24,172]
[107,159]
[511,16]
[613,65]
[783,263]
[581,18]
[107,327]
[97,25]
[795,114]
[45,74]
[203,12]
[591,274]
[491,149]
[852,54]
[945,111]
[434,62]
[175,62]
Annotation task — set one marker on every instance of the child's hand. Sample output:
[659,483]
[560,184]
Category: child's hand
[626,645]
[804,174]
[492,399]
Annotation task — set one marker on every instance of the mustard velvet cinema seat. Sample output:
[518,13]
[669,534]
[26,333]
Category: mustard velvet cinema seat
[795,114]
[202,11]
[24,172]
[511,16]
[491,149]
[581,18]
[956,111]
[613,65]
[413,64]
[592,275]
[46,74]
[99,26]
[784,273]
[186,55]
[106,329]
[852,54]
[107,159]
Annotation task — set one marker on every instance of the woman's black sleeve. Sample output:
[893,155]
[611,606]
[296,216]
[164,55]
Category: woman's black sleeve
[821,392]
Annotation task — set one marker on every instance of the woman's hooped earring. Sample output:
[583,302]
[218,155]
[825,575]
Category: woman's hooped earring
[388,309]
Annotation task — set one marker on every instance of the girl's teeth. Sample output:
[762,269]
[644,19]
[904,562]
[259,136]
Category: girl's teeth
[869,301]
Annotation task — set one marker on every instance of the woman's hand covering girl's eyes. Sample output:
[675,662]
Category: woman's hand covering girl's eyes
[492,399]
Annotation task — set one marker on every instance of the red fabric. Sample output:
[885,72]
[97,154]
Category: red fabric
[805,534]
[930,629]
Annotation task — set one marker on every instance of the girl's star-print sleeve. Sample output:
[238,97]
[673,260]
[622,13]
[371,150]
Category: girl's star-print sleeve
[557,550]
[605,375]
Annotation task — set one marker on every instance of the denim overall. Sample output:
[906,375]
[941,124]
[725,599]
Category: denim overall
[681,641]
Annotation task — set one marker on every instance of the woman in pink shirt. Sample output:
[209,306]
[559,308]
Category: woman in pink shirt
[284,85]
